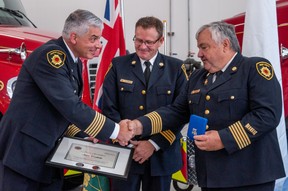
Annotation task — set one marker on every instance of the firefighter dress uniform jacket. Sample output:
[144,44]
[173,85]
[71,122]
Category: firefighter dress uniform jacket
[46,100]
[244,105]
[134,98]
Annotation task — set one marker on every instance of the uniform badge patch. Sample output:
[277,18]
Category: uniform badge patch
[265,70]
[56,58]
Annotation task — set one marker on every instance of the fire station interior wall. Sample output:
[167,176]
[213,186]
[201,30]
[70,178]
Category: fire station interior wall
[183,17]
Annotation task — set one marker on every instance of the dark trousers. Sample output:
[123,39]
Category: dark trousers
[13,181]
[149,183]
[269,186]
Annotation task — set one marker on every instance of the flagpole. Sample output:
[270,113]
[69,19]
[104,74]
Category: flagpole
[113,45]
[165,36]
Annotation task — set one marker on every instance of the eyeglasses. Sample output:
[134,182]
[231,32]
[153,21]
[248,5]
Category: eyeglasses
[149,43]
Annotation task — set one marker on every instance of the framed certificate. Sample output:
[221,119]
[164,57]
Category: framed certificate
[83,155]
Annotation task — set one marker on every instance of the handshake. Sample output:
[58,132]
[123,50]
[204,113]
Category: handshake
[128,129]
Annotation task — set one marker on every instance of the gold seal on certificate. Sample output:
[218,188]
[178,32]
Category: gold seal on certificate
[99,158]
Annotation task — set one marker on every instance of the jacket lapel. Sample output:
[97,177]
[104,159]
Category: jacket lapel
[75,69]
[137,68]
[226,76]
[157,71]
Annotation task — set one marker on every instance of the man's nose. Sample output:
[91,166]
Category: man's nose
[199,54]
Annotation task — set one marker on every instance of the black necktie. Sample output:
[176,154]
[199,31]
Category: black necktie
[217,75]
[211,78]
[147,71]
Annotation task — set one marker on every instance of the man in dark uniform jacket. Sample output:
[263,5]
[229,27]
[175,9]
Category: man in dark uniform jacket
[127,95]
[240,149]
[46,100]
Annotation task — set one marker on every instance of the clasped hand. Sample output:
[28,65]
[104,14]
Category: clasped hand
[128,129]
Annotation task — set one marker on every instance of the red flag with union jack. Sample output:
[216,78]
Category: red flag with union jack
[113,45]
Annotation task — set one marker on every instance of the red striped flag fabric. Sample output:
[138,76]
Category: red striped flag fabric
[113,45]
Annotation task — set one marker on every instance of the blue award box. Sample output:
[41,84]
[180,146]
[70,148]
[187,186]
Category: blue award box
[197,126]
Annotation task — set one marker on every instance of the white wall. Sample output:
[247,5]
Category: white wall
[50,15]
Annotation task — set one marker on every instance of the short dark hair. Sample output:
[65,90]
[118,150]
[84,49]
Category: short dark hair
[150,22]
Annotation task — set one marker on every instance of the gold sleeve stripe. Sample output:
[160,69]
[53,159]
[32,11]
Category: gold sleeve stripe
[169,135]
[250,129]
[72,130]
[156,122]
[242,134]
[96,125]
[239,135]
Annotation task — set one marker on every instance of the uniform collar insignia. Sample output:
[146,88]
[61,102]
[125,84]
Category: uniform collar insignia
[133,62]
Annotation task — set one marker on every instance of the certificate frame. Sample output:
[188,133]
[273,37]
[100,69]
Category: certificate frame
[96,158]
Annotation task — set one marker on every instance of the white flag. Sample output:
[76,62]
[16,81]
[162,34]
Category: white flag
[261,39]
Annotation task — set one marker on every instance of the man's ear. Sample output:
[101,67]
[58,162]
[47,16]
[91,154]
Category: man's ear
[161,40]
[226,44]
[73,38]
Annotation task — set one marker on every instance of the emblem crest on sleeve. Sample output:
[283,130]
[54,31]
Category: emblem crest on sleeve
[56,58]
[265,70]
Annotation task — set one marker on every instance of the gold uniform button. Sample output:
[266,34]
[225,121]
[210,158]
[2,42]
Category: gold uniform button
[143,92]
[207,111]
[122,89]
[141,107]
[208,97]
[232,97]
[207,127]
[168,92]
[190,101]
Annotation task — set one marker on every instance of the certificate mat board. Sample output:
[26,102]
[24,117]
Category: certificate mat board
[83,155]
